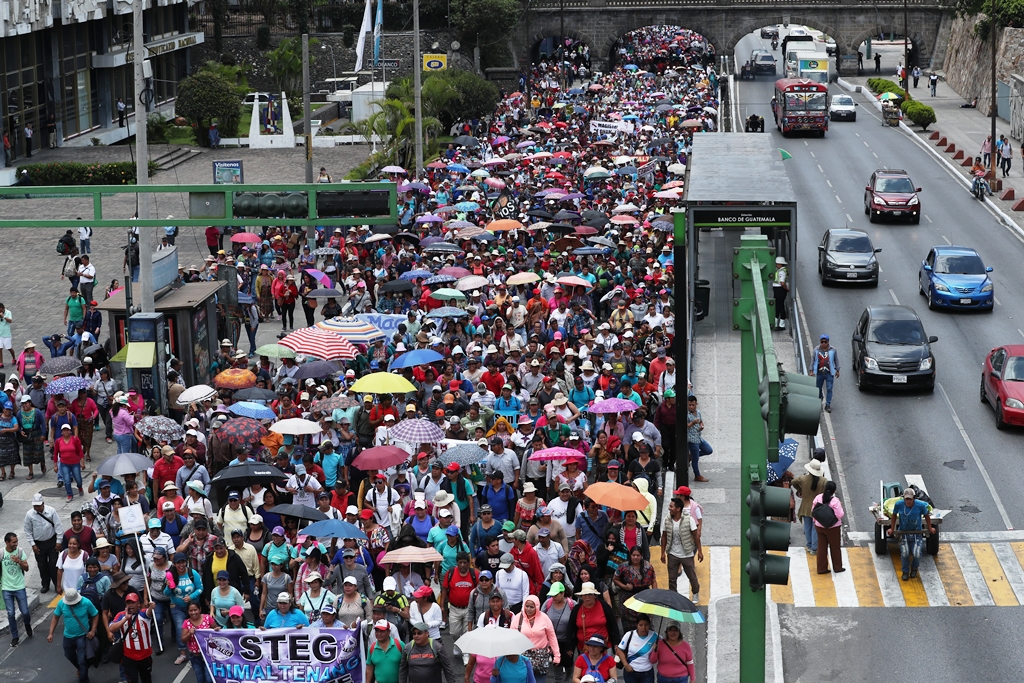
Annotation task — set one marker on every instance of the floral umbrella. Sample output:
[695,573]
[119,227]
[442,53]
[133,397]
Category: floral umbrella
[63,385]
[241,431]
[160,428]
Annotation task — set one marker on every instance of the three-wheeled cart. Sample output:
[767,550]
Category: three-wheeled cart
[883,522]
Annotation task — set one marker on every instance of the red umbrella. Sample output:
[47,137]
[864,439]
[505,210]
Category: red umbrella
[313,341]
[380,458]
[585,230]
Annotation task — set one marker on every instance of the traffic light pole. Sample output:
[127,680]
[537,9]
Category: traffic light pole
[751,266]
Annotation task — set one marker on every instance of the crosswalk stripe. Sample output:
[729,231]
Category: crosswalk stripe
[824,591]
[995,577]
[888,582]
[862,573]
[703,570]
[720,584]
[913,591]
[800,578]
[973,577]
[952,578]
[846,594]
[783,595]
[735,570]
[1018,550]
[932,584]
[1012,568]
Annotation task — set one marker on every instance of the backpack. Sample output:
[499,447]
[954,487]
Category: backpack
[595,669]
[62,247]
[474,577]
[91,591]
[434,647]
[824,515]
[395,642]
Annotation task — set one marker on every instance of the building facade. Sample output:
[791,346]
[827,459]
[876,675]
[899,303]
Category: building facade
[73,60]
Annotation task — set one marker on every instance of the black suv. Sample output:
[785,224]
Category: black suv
[770,32]
[892,351]
[890,193]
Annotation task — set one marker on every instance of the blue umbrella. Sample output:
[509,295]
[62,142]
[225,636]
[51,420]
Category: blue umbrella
[457,168]
[630,117]
[467,206]
[447,312]
[631,67]
[415,274]
[587,251]
[576,91]
[787,454]
[485,237]
[414,358]
[334,528]
[440,280]
[625,170]
[253,410]
[64,385]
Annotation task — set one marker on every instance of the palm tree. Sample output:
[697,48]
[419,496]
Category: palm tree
[395,124]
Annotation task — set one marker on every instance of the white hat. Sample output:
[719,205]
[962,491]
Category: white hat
[780,261]
[458,349]
[529,487]
[37,499]
[351,510]
[587,365]
[390,583]
[72,597]
[284,597]
[814,467]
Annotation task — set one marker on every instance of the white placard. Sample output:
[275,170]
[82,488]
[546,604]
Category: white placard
[133,520]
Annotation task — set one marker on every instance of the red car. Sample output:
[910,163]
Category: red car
[891,194]
[1002,384]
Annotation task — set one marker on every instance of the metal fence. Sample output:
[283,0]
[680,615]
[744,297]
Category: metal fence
[245,16]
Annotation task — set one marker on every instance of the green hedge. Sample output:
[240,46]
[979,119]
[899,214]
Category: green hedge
[75,173]
[919,113]
[881,85]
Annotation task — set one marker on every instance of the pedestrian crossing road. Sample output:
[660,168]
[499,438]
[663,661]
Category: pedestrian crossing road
[961,575]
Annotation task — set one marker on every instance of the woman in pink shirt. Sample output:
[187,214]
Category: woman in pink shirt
[69,453]
[828,533]
[537,626]
[673,656]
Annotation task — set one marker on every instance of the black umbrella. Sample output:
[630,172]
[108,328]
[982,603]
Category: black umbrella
[564,215]
[466,141]
[316,369]
[302,512]
[597,222]
[540,213]
[396,286]
[254,394]
[409,237]
[250,472]
[661,141]
[561,226]
[591,214]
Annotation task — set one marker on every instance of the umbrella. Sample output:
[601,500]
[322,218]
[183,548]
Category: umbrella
[623,219]
[504,225]
[160,428]
[417,431]
[296,426]
[317,342]
[124,463]
[415,274]
[556,453]
[410,555]
[540,213]
[429,218]
[437,165]
[380,457]
[457,168]
[588,251]
[196,393]
[604,241]
[467,206]
[326,251]
[241,432]
[253,394]
[353,329]
[615,496]
[692,123]
[249,472]
[329,405]
[523,278]
[246,238]
[439,279]
[612,405]
[376,238]
[61,365]
[393,169]
[471,282]
[382,383]
[415,357]
[442,248]
[464,454]
[325,293]
[677,168]
[665,603]
[481,173]
[447,312]
[334,528]
[235,378]
[888,96]
[455,272]
[574,281]
[63,385]
[787,454]
[316,369]
[256,411]
[586,230]
[448,294]
[300,511]
[465,141]
[395,286]
[273,351]
[493,642]
[409,187]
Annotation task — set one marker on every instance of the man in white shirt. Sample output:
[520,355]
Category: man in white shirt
[86,277]
[513,582]
[84,238]
[303,487]
[560,509]
[548,552]
[380,498]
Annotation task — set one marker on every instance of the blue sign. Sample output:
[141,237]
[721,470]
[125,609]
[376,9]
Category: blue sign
[388,324]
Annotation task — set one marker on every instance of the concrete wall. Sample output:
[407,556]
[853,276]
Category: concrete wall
[968,60]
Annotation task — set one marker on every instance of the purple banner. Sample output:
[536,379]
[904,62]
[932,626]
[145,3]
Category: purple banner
[285,655]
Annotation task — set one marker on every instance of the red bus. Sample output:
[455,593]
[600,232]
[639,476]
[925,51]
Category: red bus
[800,104]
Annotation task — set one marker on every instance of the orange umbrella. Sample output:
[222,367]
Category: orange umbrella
[617,496]
[235,378]
[504,225]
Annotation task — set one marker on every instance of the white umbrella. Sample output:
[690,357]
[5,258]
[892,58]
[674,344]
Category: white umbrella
[195,393]
[677,168]
[295,426]
[626,208]
[494,642]
[471,282]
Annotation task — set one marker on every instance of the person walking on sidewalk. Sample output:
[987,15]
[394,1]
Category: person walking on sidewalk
[13,567]
[826,370]
[933,83]
[680,541]
[43,531]
[986,150]
[878,63]
[916,73]
[906,517]
[695,444]
[1006,156]
[828,516]
[808,487]
[780,290]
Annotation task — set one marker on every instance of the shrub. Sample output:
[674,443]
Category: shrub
[157,128]
[920,114]
[881,85]
[263,38]
[75,173]
[204,97]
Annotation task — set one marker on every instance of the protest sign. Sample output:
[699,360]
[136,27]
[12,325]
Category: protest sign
[283,655]
[388,324]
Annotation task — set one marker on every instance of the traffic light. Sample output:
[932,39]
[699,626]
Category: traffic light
[270,204]
[763,535]
[799,404]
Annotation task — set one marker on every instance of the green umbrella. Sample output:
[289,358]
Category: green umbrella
[664,603]
[275,351]
[888,96]
[448,294]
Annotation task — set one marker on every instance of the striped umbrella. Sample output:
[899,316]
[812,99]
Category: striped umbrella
[417,431]
[320,343]
[235,378]
[352,329]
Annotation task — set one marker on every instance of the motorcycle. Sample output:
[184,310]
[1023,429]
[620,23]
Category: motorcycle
[775,43]
[978,186]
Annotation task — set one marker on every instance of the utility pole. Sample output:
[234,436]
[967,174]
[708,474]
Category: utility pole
[417,85]
[681,349]
[306,115]
[993,28]
[142,165]
[906,53]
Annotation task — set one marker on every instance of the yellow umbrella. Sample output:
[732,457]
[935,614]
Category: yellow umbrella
[382,383]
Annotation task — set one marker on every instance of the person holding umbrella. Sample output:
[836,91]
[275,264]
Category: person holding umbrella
[674,656]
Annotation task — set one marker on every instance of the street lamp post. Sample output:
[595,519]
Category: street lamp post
[993,26]
[334,64]
[906,53]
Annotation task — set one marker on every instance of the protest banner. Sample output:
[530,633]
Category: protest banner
[388,324]
[283,655]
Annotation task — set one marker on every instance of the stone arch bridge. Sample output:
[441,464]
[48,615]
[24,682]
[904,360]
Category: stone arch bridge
[600,23]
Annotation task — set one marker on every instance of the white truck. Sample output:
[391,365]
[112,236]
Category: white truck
[813,66]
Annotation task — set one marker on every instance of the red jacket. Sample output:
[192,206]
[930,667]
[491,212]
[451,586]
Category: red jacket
[528,560]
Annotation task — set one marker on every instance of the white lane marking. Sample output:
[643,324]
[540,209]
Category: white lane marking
[829,182]
[866,144]
[933,588]
[820,168]
[800,577]
[996,300]
[812,155]
[805,143]
[1021,331]
[977,459]
[838,199]
[888,582]
[1011,567]
[185,671]
[721,584]
[927,218]
[874,155]
[879,270]
[846,593]
[973,577]
[857,134]
[946,239]
[894,299]
[849,218]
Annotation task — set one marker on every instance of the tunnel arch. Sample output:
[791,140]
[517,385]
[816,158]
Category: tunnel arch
[609,50]
[537,39]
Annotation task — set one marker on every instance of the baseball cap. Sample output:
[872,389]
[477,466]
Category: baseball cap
[452,531]
[505,561]
[381,625]
[508,525]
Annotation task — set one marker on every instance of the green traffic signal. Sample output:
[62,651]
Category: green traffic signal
[799,405]
[764,535]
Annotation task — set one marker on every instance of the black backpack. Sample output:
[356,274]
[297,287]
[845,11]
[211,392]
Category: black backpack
[90,590]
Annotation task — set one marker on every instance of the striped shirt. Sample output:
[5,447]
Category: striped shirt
[136,635]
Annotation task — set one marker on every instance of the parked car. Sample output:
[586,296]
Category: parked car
[892,351]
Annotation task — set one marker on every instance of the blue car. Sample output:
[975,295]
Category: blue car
[956,277]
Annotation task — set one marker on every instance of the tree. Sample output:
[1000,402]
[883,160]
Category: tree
[486,24]
[395,124]
[232,73]
[449,95]
[206,96]
[285,64]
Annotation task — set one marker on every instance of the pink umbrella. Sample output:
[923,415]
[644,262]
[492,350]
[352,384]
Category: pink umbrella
[455,271]
[612,405]
[319,276]
[246,237]
[574,281]
[624,220]
[380,458]
[556,453]
[496,183]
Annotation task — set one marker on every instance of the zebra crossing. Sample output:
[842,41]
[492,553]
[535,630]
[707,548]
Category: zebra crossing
[963,574]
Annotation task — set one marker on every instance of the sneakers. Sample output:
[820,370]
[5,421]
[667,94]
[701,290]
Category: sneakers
[14,642]
[913,573]
[70,498]
[81,491]
[700,479]
[180,660]
[695,599]
[828,408]
[906,576]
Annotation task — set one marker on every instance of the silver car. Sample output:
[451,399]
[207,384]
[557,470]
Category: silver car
[842,108]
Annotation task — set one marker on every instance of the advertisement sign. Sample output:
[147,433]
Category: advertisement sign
[610,127]
[227,172]
[435,62]
[282,655]
[386,323]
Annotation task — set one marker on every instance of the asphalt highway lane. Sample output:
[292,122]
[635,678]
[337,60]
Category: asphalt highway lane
[948,437]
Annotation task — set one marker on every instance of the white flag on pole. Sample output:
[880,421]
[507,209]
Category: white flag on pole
[364,30]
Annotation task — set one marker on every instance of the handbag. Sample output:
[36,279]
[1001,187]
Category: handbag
[824,515]
[540,657]
[116,651]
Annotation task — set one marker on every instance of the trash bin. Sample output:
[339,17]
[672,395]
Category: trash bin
[702,299]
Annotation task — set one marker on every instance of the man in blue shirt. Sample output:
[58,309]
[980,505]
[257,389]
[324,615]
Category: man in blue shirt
[592,525]
[906,517]
[500,497]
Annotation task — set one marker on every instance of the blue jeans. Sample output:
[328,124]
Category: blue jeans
[74,651]
[982,182]
[250,332]
[638,676]
[696,450]
[135,274]
[910,551]
[86,247]
[671,679]
[21,597]
[810,533]
[199,669]
[66,472]
[828,380]
[161,611]
[124,442]
[178,617]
